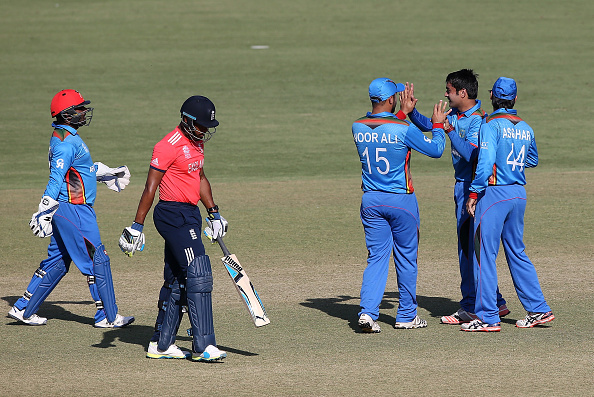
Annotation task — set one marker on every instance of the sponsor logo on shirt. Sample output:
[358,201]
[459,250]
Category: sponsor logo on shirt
[60,163]
[186,152]
[155,162]
[485,145]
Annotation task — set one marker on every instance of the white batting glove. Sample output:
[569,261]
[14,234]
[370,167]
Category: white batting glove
[41,221]
[115,178]
[217,226]
[132,239]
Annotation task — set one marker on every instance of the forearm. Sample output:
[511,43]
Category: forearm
[148,195]
[144,206]
[206,193]
[466,149]
[422,122]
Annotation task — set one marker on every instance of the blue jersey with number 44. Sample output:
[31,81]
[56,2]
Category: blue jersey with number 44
[384,143]
[506,148]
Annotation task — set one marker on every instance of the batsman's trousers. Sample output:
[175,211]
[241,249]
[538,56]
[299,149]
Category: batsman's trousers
[499,216]
[391,224]
[180,226]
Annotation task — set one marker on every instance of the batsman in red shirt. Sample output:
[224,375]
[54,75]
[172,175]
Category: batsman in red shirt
[177,169]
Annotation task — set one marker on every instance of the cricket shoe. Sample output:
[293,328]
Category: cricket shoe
[415,323]
[33,320]
[172,352]
[503,310]
[533,319]
[367,324]
[460,317]
[210,354]
[479,326]
[119,322]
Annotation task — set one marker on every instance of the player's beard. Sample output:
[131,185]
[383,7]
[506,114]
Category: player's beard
[394,107]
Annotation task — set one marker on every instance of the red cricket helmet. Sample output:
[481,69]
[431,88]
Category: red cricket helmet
[70,106]
[66,99]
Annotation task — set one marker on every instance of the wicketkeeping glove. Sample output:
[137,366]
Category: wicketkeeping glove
[217,226]
[115,178]
[132,239]
[41,221]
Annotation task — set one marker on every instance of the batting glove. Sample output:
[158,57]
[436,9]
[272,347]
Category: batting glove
[41,221]
[132,239]
[115,178]
[217,226]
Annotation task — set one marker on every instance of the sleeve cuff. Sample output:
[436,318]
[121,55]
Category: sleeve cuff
[438,125]
[401,115]
[473,195]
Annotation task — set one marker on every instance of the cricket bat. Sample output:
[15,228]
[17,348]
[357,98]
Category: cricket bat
[244,286]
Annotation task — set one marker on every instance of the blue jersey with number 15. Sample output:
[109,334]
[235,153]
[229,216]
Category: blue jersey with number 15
[506,148]
[384,143]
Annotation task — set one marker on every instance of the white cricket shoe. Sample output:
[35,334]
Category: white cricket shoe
[367,324]
[415,323]
[211,353]
[534,319]
[33,320]
[119,322]
[172,352]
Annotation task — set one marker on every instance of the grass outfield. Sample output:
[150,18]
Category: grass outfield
[285,174]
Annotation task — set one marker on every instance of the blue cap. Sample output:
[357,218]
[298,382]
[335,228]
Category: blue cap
[383,88]
[505,88]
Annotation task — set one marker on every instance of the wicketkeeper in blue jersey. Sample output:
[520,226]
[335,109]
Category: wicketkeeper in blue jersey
[66,214]
[389,209]
[497,201]
[462,127]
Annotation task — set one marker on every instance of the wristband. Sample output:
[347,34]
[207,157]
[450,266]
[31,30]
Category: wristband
[213,209]
[438,125]
[401,115]
[473,195]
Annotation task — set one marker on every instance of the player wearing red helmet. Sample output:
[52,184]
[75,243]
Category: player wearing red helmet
[66,215]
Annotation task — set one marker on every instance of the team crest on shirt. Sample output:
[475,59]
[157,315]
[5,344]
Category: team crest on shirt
[186,152]
[462,132]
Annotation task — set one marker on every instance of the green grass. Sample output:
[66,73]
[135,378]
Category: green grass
[285,174]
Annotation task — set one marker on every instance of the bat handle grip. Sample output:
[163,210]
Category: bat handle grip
[223,246]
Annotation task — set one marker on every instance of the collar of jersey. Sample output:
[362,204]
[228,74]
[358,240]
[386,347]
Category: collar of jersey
[469,111]
[382,114]
[503,110]
[65,127]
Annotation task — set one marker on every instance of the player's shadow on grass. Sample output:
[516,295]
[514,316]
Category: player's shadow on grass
[53,310]
[347,307]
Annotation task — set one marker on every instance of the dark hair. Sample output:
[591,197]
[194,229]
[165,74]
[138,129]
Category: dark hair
[499,103]
[464,79]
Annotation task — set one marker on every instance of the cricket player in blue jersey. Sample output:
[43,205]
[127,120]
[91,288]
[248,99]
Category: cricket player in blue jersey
[497,202]
[66,214]
[389,209]
[462,127]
